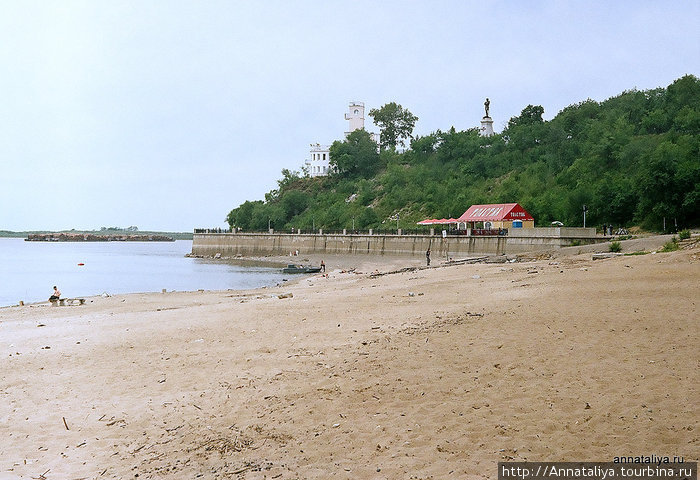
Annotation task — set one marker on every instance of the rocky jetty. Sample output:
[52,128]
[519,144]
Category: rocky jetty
[92,237]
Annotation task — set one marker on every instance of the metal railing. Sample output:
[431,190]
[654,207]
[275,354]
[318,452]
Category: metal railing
[489,232]
[212,230]
[481,232]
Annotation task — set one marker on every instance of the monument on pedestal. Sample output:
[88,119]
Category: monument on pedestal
[486,129]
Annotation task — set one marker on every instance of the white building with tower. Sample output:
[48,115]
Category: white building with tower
[355,117]
[318,164]
[319,161]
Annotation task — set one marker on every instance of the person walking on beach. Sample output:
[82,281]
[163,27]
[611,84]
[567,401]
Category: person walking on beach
[427,256]
[323,266]
[56,294]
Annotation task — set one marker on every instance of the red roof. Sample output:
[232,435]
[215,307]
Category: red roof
[495,212]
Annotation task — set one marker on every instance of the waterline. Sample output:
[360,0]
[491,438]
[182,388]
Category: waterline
[29,270]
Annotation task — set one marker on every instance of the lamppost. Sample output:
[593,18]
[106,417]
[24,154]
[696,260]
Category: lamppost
[585,209]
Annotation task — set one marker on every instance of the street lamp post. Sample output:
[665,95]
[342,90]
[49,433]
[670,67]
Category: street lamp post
[585,209]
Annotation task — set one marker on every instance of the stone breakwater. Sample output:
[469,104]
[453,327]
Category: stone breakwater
[91,237]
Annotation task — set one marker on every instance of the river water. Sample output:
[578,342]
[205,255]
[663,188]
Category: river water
[29,270]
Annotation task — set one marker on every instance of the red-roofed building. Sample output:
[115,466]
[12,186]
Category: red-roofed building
[498,215]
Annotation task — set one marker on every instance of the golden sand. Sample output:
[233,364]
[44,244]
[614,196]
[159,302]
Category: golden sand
[430,373]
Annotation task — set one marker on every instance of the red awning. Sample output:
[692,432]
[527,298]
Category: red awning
[442,221]
[495,212]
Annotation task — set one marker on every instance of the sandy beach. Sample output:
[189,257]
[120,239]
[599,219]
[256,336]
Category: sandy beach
[427,373]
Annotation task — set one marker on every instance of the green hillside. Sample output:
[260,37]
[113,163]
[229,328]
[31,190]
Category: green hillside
[633,159]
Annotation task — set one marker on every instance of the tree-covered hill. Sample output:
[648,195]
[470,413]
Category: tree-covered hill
[633,159]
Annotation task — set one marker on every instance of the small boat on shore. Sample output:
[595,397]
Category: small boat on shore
[291,268]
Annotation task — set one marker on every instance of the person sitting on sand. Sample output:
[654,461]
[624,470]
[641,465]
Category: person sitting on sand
[56,294]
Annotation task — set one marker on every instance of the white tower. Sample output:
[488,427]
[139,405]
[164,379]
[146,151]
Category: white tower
[319,163]
[356,117]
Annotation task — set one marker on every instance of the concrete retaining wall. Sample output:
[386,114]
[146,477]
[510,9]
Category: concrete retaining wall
[544,238]
[258,244]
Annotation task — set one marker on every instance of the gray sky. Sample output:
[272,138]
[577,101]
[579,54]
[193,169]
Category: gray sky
[168,114]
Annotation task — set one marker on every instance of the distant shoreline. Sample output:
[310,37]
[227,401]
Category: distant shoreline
[101,233]
[88,237]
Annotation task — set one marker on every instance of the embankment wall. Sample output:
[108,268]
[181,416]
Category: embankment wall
[259,244]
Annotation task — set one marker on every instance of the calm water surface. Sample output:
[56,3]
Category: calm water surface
[29,270]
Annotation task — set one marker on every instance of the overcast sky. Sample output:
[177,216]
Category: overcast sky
[168,114]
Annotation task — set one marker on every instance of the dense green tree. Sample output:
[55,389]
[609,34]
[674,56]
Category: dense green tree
[395,124]
[367,218]
[532,114]
[289,178]
[294,202]
[527,130]
[425,145]
[356,156]
[242,216]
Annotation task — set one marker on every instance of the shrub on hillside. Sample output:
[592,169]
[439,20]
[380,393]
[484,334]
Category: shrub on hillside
[671,246]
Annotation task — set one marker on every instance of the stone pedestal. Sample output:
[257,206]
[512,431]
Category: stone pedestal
[486,129]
